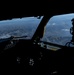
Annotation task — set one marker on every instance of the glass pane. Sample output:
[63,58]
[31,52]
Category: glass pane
[19,27]
[58,29]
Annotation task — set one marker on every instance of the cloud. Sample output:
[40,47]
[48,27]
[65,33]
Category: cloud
[4,36]
[65,29]
[53,24]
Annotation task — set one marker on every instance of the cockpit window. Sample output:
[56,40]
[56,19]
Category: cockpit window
[58,29]
[19,27]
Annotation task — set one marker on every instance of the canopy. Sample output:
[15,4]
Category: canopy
[26,8]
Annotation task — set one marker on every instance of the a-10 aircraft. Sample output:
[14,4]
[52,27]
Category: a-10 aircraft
[28,56]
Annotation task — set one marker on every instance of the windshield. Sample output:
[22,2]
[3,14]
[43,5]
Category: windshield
[58,29]
[19,27]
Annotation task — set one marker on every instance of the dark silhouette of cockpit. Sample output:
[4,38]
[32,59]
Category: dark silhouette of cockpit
[26,56]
